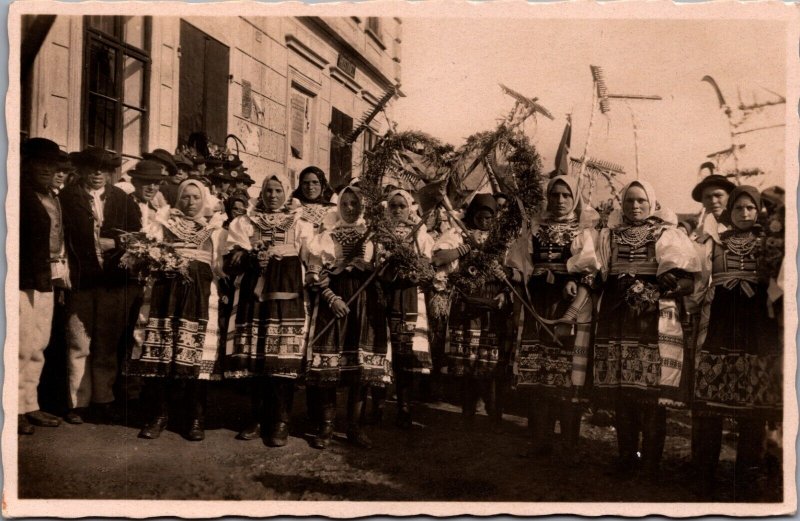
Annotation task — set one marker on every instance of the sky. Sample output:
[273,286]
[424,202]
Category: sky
[452,68]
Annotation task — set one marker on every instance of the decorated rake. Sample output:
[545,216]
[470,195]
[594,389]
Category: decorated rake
[744,112]
[602,98]
[368,116]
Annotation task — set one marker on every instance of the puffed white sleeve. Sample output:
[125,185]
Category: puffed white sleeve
[603,251]
[155,229]
[303,235]
[584,257]
[674,250]
[239,232]
[219,239]
[321,249]
[449,240]
[425,242]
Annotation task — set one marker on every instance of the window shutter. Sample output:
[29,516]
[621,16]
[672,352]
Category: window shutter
[341,153]
[299,104]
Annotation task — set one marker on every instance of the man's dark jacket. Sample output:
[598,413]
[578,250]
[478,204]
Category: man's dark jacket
[119,214]
[34,242]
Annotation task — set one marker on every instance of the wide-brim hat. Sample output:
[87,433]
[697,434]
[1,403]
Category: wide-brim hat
[43,149]
[182,160]
[711,180]
[220,174]
[147,170]
[96,159]
[240,175]
[163,157]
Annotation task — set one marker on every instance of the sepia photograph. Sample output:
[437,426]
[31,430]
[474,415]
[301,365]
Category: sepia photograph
[390,258]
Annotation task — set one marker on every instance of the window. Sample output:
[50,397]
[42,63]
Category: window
[374,31]
[203,105]
[374,26]
[341,152]
[370,140]
[116,72]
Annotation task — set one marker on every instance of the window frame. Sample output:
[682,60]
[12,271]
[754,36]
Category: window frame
[123,49]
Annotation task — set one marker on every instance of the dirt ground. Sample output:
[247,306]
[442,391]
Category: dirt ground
[440,459]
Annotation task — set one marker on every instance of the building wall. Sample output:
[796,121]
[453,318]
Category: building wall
[275,55]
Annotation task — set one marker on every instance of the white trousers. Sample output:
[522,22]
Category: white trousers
[35,322]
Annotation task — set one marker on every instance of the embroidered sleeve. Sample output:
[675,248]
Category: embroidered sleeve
[674,250]
[321,249]
[239,233]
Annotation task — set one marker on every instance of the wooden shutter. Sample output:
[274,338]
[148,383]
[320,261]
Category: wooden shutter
[299,103]
[341,153]
[204,70]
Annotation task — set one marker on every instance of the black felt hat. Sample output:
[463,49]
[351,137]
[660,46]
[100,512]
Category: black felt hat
[163,157]
[715,180]
[147,170]
[44,149]
[96,159]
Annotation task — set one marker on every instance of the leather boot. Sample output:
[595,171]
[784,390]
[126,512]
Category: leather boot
[160,411]
[23,425]
[196,396]
[327,410]
[252,429]
[355,401]
[284,394]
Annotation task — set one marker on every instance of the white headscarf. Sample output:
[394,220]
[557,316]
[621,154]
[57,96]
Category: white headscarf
[205,199]
[413,211]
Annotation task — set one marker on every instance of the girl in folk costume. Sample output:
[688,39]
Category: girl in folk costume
[408,321]
[476,341]
[265,251]
[738,368]
[646,263]
[353,352]
[559,266]
[314,193]
[176,335]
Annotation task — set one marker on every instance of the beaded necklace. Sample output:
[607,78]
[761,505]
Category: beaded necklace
[634,236]
[188,231]
[741,244]
[559,234]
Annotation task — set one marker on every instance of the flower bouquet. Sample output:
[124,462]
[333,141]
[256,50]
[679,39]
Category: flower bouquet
[641,295]
[146,258]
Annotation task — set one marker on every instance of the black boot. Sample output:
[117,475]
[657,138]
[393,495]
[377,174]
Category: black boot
[284,396]
[160,410]
[252,429]
[654,434]
[327,411]
[196,396]
[355,401]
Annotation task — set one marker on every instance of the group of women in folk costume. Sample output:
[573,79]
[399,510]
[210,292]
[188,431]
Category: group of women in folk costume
[311,295]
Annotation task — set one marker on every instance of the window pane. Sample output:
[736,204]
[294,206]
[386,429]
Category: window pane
[132,121]
[101,121]
[103,23]
[102,69]
[133,29]
[133,78]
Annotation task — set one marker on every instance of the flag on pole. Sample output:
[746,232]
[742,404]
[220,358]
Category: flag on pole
[562,156]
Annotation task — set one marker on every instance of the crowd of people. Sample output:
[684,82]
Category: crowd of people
[636,313]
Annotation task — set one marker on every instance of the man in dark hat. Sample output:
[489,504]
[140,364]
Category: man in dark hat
[170,188]
[147,178]
[712,192]
[95,214]
[41,251]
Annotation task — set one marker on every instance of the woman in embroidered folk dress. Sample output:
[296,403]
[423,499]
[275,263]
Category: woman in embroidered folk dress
[561,264]
[476,343]
[270,319]
[738,369]
[176,336]
[353,351]
[647,263]
[408,321]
